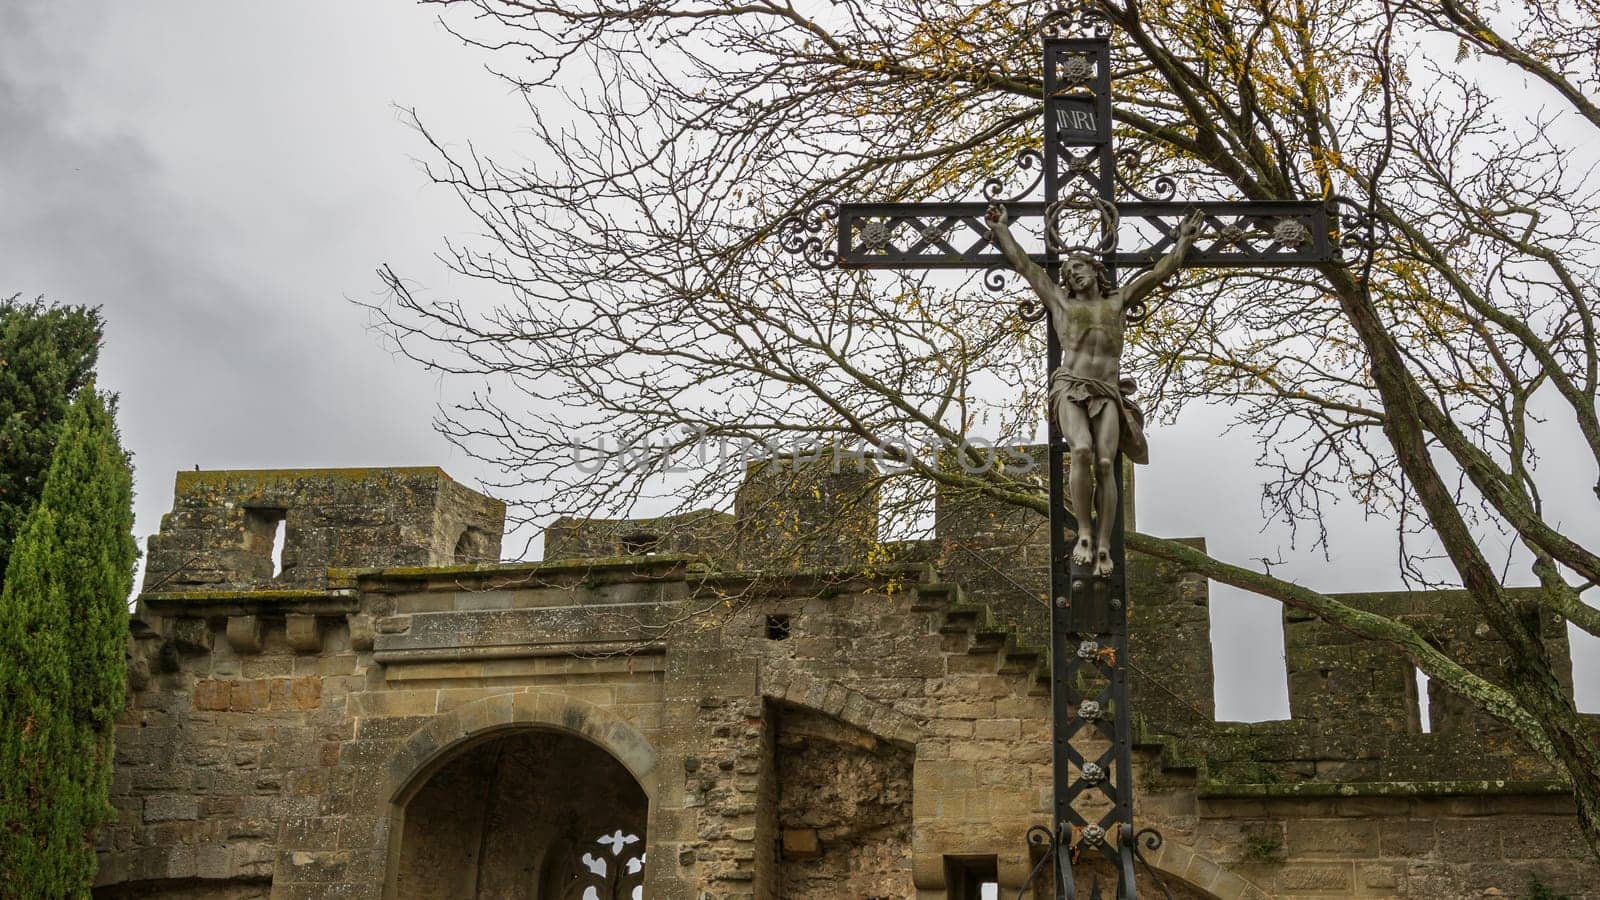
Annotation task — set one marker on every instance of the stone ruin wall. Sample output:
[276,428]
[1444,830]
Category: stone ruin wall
[283,735]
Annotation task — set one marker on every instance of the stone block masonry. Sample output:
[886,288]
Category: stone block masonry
[229,529]
[390,717]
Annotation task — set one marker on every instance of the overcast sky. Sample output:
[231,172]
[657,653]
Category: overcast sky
[222,178]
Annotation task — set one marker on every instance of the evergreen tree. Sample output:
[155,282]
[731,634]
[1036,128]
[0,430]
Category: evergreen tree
[63,634]
[47,353]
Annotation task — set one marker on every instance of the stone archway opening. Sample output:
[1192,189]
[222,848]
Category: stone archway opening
[525,815]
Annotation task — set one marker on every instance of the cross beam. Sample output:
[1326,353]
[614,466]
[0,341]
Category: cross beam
[954,235]
[1092,750]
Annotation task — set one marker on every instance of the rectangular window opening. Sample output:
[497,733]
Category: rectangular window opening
[265,534]
[1420,706]
[277,547]
[972,877]
[778,627]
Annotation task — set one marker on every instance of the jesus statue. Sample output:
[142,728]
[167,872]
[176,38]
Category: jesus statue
[1090,399]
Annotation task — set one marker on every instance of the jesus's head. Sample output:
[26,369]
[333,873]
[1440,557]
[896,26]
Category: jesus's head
[1081,272]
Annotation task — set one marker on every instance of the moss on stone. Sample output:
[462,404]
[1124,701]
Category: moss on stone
[221,478]
[266,596]
[1322,789]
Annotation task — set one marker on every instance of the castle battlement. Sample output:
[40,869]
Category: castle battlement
[772,700]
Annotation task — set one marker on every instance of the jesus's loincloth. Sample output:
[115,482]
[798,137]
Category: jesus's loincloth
[1093,395]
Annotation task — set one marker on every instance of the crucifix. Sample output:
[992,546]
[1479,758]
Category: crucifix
[1092,417]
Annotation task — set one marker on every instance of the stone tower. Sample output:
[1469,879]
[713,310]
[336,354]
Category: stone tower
[233,529]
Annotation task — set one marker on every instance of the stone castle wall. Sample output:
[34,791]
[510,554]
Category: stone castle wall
[796,733]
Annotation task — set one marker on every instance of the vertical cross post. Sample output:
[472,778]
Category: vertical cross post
[1088,618]
[1091,741]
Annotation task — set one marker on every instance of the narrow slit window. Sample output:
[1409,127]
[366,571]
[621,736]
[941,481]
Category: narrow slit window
[265,536]
[278,534]
[1424,724]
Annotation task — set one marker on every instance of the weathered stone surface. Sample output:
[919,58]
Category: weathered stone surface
[221,531]
[844,809]
[487,718]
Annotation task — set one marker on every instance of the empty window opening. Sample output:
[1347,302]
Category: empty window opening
[277,547]
[972,877]
[1252,679]
[473,547]
[1418,691]
[639,543]
[265,534]
[778,627]
[1585,662]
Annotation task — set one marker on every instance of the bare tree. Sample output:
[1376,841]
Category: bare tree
[647,301]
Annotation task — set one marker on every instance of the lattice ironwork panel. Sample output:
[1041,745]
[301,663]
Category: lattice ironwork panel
[1101,783]
[956,236]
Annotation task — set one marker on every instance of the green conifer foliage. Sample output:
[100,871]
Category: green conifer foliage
[63,638]
[47,353]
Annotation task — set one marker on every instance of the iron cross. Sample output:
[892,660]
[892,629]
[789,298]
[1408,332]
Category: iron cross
[1092,753]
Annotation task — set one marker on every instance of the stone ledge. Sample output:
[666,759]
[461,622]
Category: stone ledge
[518,651]
[1401,789]
[692,569]
[652,567]
[185,480]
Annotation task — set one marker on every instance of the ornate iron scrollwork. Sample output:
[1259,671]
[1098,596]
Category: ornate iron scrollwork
[1043,842]
[806,234]
[1149,839]
[1136,312]
[1078,20]
[1027,158]
[995,280]
[1354,226]
[1164,188]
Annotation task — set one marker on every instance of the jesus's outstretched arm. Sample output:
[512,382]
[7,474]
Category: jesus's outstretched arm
[1168,265]
[1036,275]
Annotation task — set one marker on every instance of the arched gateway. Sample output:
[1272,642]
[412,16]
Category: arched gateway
[523,795]
[524,815]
